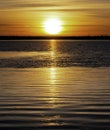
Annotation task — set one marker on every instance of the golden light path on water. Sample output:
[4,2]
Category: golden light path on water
[53,72]
[53,51]
[53,89]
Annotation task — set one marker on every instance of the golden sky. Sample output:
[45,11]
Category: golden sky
[79,17]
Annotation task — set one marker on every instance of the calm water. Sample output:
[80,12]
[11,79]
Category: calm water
[55,85]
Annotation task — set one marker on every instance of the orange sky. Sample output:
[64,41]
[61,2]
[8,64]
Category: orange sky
[79,17]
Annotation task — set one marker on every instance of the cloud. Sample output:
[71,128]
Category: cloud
[34,5]
[89,1]
[5,24]
[14,5]
[69,4]
[95,8]
[72,9]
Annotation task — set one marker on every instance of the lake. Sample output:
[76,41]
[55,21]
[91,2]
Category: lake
[55,84]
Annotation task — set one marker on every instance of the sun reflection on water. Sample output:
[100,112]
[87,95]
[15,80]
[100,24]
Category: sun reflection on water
[53,88]
[53,52]
[52,75]
[53,120]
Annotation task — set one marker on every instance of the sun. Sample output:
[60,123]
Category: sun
[53,26]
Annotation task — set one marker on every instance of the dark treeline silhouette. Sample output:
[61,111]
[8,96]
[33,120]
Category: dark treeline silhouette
[55,37]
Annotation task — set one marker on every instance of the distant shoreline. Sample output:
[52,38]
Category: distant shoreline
[55,37]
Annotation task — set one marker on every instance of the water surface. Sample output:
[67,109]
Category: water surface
[59,53]
[59,85]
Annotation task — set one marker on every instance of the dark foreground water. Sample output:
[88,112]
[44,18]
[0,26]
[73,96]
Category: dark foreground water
[57,53]
[55,85]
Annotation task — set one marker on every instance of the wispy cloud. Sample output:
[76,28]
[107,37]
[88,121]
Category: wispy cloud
[20,6]
[4,24]
[71,9]
[13,4]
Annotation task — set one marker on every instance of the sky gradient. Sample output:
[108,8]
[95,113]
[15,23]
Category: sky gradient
[79,17]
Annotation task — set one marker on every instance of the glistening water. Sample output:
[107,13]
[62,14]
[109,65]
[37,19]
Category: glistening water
[55,85]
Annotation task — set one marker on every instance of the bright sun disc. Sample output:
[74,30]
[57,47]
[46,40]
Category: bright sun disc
[52,26]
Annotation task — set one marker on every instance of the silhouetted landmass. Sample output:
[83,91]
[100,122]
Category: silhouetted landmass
[55,37]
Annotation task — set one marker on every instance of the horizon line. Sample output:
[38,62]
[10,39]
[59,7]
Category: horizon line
[54,37]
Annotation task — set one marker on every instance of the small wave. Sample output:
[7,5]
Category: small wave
[34,62]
